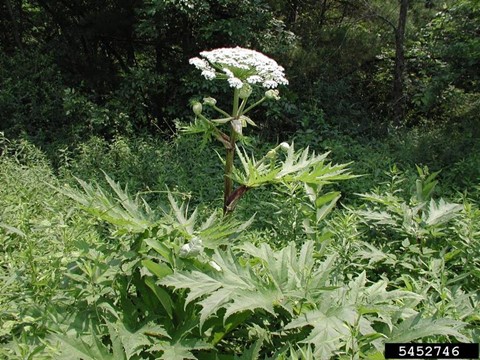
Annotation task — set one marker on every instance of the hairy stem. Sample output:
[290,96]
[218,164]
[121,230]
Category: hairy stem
[228,183]
[233,199]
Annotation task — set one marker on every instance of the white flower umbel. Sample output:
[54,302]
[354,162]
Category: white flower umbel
[240,66]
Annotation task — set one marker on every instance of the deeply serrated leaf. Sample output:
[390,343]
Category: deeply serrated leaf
[199,283]
[329,330]
[301,166]
[416,327]
[442,212]
[214,302]
[246,300]
[77,348]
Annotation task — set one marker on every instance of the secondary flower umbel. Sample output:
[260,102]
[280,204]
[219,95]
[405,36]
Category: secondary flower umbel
[240,66]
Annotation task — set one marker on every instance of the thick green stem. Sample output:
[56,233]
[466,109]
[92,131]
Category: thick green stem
[228,183]
[227,180]
[235,102]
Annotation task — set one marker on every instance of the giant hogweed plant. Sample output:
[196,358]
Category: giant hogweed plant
[168,286]
[244,69]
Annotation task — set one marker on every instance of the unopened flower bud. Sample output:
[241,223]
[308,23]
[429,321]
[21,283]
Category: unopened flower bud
[185,250]
[209,101]
[285,146]
[245,91]
[197,108]
[191,249]
[271,154]
[272,94]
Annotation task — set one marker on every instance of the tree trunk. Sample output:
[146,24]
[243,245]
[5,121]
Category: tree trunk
[398,95]
[292,12]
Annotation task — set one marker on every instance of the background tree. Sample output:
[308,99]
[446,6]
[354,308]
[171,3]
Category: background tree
[14,22]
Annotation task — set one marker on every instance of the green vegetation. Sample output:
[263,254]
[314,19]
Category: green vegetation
[91,272]
[317,220]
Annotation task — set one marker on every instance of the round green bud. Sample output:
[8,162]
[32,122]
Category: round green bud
[209,101]
[271,154]
[245,91]
[197,108]
[272,94]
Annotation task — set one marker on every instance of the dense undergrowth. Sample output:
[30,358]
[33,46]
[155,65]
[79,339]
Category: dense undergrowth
[90,271]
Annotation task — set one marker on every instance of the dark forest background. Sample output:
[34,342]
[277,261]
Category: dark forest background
[397,76]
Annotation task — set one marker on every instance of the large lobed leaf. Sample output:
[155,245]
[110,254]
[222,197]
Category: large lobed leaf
[126,213]
[234,288]
[302,166]
[284,278]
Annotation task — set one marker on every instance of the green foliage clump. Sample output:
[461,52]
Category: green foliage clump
[305,267]
[144,164]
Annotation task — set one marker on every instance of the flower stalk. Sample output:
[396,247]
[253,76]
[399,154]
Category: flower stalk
[228,182]
[254,105]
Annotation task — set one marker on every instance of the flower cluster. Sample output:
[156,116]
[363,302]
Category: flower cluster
[240,66]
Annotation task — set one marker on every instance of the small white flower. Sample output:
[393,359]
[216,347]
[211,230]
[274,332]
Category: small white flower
[235,82]
[254,79]
[208,74]
[200,64]
[270,84]
[239,65]
[229,73]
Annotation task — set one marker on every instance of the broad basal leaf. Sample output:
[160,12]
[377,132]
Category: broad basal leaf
[78,348]
[198,283]
[329,330]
